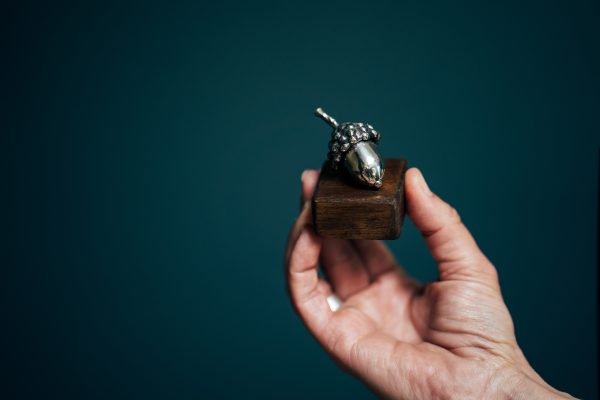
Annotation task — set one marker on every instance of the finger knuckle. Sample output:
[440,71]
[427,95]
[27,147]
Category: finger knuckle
[453,215]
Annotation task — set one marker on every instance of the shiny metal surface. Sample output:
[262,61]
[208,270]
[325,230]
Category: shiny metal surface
[334,302]
[353,144]
[364,164]
[326,117]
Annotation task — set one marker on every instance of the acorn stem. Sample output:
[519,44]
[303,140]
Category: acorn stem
[327,118]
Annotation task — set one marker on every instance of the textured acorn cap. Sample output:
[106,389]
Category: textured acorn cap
[347,135]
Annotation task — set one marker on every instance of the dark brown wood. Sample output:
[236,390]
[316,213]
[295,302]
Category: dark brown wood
[344,209]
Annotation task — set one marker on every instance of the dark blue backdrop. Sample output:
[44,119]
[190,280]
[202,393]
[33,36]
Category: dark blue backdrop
[153,154]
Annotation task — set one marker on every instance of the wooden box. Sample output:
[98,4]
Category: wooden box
[343,209]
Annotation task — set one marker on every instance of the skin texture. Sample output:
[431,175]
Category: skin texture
[452,338]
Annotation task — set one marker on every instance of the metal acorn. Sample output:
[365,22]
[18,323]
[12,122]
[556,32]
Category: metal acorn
[355,144]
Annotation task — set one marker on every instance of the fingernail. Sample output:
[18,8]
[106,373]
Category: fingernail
[303,175]
[423,184]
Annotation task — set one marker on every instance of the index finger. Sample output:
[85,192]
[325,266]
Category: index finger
[309,182]
[302,263]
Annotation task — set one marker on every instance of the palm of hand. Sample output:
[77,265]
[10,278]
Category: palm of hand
[452,315]
[449,327]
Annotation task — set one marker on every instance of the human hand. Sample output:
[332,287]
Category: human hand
[452,338]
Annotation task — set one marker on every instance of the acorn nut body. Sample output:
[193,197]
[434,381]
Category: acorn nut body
[354,144]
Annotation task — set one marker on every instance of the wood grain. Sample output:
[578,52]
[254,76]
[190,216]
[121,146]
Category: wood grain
[343,209]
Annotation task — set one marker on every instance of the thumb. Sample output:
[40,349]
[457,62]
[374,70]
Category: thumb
[448,240]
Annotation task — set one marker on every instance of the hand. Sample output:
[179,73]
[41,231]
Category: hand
[452,338]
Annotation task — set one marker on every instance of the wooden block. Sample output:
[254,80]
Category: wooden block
[343,209]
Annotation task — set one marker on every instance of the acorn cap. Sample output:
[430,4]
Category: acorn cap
[345,136]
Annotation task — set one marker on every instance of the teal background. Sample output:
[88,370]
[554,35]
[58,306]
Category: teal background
[152,155]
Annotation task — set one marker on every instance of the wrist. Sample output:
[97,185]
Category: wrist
[523,383]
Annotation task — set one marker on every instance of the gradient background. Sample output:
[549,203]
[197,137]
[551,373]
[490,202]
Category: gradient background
[151,172]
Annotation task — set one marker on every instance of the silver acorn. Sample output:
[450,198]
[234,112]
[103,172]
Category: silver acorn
[355,145]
